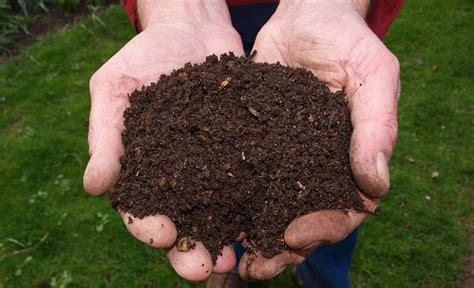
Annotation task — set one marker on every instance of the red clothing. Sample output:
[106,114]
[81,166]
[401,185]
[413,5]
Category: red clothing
[381,15]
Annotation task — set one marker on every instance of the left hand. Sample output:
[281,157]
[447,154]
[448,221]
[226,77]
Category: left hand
[174,32]
[332,39]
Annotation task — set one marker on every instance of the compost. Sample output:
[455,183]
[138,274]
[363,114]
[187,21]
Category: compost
[231,146]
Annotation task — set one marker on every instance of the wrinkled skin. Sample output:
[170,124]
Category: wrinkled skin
[155,51]
[334,42]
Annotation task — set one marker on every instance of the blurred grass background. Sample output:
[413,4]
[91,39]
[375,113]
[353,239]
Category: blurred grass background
[419,239]
[17,15]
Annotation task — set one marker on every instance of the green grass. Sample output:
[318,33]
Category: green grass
[44,106]
[16,16]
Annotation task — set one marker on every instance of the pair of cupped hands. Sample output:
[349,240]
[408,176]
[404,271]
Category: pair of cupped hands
[328,37]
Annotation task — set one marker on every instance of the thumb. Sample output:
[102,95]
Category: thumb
[109,99]
[374,119]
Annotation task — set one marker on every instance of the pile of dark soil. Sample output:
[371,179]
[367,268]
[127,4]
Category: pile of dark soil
[231,145]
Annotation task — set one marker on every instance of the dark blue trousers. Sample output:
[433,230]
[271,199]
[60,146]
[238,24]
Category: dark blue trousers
[328,266]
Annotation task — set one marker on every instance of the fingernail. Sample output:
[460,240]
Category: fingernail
[383,171]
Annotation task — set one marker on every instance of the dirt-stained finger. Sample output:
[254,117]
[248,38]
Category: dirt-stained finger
[157,231]
[226,261]
[193,264]
[254,267]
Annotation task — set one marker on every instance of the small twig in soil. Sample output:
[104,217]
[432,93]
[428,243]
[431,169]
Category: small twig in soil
[224,83]
[252,251]
[253,243]
[302,193]
[253,112]
[162,182]
[301,186]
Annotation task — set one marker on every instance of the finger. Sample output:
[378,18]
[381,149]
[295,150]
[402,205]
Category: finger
[370,203]
[226,261]
[241,237]
[103,168]
[322,227]
[256,267]
[267,50]
[226,46]
[160,232]
[194,264]
[109,99]
[157,231]
[326,227]
[374,119]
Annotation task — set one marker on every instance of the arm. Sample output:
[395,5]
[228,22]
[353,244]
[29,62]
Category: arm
[174,32]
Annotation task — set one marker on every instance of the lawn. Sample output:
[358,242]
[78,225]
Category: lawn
[65,238]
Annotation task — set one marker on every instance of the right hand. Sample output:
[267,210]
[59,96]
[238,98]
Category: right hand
[173,35]
[331,39]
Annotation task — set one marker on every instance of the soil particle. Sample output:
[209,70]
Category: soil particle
[185,244]
[231,146]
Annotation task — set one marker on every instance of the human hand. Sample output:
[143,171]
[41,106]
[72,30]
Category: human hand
[331,38]
[174,34]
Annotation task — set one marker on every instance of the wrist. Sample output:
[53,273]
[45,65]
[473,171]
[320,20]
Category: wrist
[359,6]
[201,12]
